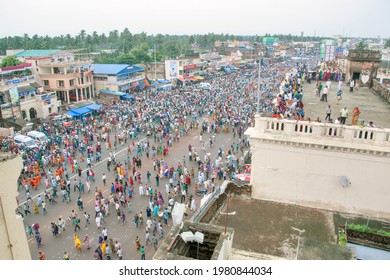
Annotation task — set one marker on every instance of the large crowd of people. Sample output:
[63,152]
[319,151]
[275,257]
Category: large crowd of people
[149,128]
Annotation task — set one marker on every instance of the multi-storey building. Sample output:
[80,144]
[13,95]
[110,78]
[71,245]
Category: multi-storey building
[21,96]
[66,73]
[117,77]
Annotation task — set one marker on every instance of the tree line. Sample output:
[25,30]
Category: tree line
[126,47]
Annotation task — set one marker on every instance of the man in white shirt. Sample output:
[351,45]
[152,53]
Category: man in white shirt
[104,178]
[329,84]
[351,85]
[343,115]
[325,94]
[105,233]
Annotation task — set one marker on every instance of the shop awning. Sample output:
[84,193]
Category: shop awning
[128,96]
[192,79]
[71,114]
[94,106]
[81,111]
[140,85]
[181,79]
[199,78]
[112,92]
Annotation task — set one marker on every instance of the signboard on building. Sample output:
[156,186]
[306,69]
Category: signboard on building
[13,93]
[340,51]
[327,49]
[189,66]
[15,81]
[269,41]
[173,69]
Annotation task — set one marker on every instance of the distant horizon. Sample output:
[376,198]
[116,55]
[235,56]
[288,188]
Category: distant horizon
[348,18]
[200,34]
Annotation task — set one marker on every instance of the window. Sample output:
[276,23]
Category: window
[49,110]
[61,83]
[46,83]
[71,82]
[100,78]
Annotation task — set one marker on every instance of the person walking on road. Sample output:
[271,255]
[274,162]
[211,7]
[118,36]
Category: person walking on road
[155,241]
[104,178]
[142,251]
[343,115]
[42,256]
[328,112]
[76,222]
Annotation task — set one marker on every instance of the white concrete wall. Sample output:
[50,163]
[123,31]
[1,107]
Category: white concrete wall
[13,239]
[312,178]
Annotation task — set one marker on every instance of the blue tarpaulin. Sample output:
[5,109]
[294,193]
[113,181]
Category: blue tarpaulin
[112,92]
[140,85]
[128,96]
[94,106]
[79,111]
[71,114]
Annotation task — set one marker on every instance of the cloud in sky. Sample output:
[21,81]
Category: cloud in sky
[359,18]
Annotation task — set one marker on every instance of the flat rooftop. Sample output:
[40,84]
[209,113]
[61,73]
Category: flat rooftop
[371,106]
[270,230]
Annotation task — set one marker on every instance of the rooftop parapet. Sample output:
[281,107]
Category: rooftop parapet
[322,135]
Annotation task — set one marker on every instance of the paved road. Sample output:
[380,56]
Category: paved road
[55,247]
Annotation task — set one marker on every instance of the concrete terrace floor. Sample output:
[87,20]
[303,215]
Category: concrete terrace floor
[270,230]
[371,106]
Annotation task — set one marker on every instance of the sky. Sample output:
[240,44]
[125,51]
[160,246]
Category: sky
[356,18]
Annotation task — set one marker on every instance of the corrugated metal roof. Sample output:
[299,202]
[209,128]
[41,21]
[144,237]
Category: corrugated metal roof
[112,92]
[35,85]
[36,53]
[25,89]
[115,69]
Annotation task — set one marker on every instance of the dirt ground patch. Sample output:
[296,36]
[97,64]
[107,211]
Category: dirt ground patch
[274,228]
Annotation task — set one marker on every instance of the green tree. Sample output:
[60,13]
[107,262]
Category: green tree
[10,61]
[125,43]
[361,46]
[125,59]
[141,53]
[387,44]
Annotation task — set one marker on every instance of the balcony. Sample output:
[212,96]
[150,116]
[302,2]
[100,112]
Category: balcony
[78,62]
[59,76]
[127,81]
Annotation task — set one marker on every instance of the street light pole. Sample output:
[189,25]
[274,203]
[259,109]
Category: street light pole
[258,88]
[155,70]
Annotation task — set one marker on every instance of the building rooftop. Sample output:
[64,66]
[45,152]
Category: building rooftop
[269,230]
[371,106]
[11,69]
[115,69]
[36,53]
[281,230]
